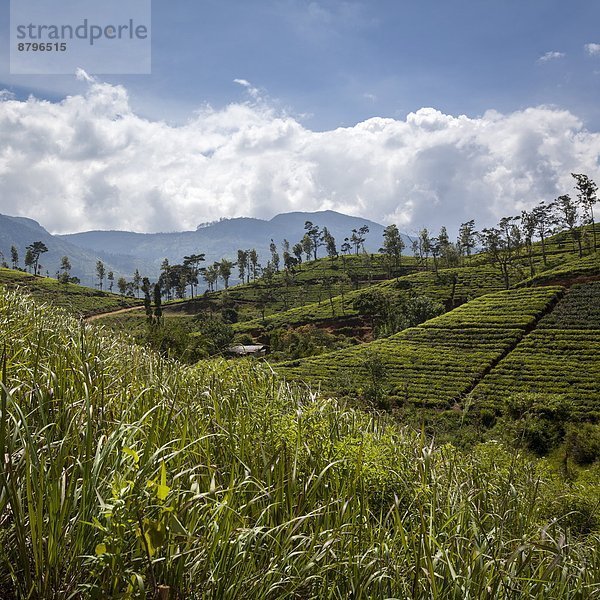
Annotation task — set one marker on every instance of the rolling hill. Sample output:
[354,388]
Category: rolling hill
[123,251]
[21,232]
[221,239]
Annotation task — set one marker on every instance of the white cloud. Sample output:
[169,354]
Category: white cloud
[593,49]
[252,91]
[82,75]
[552,55]
[91,162]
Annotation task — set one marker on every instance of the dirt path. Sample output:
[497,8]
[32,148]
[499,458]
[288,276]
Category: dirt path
[112,312]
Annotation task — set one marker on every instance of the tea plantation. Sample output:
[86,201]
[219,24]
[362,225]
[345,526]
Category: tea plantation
[560,359]
[437,363]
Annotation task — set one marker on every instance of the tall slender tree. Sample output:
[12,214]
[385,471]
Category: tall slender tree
[225,268]
[274,255]
[330,246]
[544,220]
[316,236]
[100,273]
[568,217]
[157,304]
[65,270]
[308,246]
[14,257]
[242,263]
[297,250]
[393,244]
[358,238]
[192,264]
[253,257]
[37,249]
[528,227]
[137,282]
[146,288]
[122,285]
[587,197]
[467,238]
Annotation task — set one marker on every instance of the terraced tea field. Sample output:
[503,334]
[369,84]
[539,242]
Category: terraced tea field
[571,268]
[436,364]
[446,286]
[457,284]
[559,359]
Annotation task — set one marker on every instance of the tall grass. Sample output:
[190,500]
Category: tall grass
[127,476]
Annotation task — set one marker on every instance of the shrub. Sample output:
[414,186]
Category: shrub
[582,443]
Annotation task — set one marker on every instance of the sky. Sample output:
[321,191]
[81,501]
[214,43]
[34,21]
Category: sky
[419,113]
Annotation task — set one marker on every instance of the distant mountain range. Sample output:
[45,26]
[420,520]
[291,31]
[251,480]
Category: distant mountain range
[124,251]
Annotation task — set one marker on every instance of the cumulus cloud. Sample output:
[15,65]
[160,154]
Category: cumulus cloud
[90,161]
[551,55]
[593,49]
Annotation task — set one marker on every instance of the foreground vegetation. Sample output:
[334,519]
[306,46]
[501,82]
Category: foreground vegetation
[127,475]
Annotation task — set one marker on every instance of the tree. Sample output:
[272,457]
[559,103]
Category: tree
[315,235]
[216,334]
[111,280]
[137,282]
[147,299]
[253,257]
[544,219]
[65,268]
[14,257]
[307,246]
[587,197]
[165,279]
[498,249]
[435,249]
[242,263]
[100,272]
[274,255]
[358,237]
[122,285]
[528,227]
[36,249]
[225,268]
[289,262]
[29,259]
[157,304]
[330,246]
[467,237]
[375,304]
[178,278]
[297,250]
[393,244]
[444,243]
[424,245]
[567,214]
[192,264]
[211,275]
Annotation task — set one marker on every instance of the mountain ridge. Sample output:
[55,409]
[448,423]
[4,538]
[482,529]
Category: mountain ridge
[125,251]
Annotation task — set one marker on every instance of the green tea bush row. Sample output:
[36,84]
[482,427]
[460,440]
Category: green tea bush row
[580,309]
